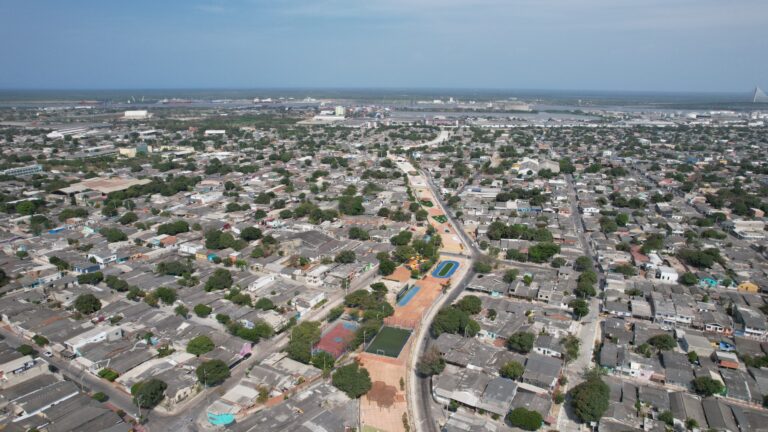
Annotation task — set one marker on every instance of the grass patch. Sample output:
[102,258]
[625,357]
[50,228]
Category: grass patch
[389,342]
[440,219]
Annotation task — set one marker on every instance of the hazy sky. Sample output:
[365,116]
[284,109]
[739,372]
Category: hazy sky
[644,45]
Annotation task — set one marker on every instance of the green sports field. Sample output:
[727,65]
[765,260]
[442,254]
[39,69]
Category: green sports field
[389,342]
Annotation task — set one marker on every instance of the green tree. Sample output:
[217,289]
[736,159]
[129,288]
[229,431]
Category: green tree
[590,398]
[521,342]
[100,397]
[202,310]
[128,218]
[667,418]
[90,278]
[335,313]
[482,267]
[113,235]
[662,342]
[357,233]
[323,361]
[512,370]
[454,320]
[387,267]
[303,337]
[149,393]
[166,295]
[26,350]
[345,257]
[571,344]
[470,304]
[200,345]
[250,234]
[688,278]
[582,263]
[511,275]
[579,307]
[431,363]
[351,205]
[40,340]
[181,311]
[264,304]
[212,372]
[706,386]
[87,304]
[525,419]
[219,280]
[352,379]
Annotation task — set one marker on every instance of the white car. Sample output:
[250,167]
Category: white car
[47,353]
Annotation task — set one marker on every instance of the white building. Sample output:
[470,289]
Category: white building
[667,274]
[94,335]
[136,115]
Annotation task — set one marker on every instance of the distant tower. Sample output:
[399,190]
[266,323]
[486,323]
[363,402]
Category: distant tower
[759,96]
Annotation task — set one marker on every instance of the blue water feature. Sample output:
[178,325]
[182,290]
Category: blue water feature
[408,296]
[221,419]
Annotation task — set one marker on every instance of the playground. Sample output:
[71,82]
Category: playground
[389,342]
[445,269]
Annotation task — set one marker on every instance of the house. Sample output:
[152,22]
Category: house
[726,360]
[753,323]
[617,308]
[94,335]
[13,362]
[666,274]
[542,371]
[191,248]
[548,345]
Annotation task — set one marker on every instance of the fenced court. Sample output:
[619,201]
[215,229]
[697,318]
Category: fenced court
[445,269]
[335,341]
[389,342]
[407,295]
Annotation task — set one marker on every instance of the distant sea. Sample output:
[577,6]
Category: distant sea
[570,98]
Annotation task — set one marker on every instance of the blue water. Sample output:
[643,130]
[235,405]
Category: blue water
[408,296]
[220,419]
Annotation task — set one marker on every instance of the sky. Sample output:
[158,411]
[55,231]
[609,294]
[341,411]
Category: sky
[625,45]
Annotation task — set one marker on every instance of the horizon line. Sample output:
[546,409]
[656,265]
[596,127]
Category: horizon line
[374,88]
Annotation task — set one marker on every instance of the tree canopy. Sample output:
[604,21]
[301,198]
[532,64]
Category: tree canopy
[149,393]
[352,379]
[220,279]
[200,345]
[212,372]
[521,342]
[590,398]
[525,419]
[87,304]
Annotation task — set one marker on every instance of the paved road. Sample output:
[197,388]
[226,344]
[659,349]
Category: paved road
[420,403]
[590,324]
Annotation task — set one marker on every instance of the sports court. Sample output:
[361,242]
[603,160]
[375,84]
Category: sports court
[389,341]
[336,340]
[407,294]
[445,269]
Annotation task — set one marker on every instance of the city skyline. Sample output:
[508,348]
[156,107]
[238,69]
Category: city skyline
[679,46]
